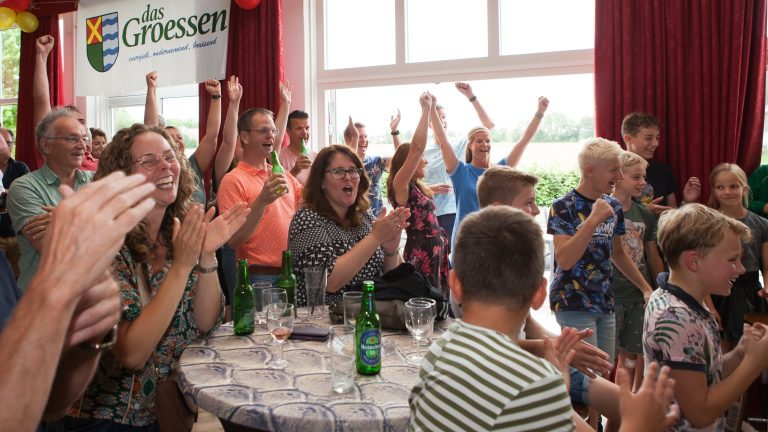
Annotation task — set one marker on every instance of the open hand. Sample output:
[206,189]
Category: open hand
[649,409]
[219,231]
[234,89]
[692,190]
[96,312]
[188,237]
[588,358]
[394,121]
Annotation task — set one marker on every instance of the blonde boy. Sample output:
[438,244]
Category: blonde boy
[639,242]
[587,225]
[703,249]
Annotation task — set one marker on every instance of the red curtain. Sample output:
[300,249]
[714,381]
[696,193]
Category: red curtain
[26,150]
[698,66]
[255,55]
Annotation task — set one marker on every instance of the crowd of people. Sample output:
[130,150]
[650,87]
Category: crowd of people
[116,256]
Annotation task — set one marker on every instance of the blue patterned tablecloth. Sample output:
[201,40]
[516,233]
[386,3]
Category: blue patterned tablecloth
[228,376]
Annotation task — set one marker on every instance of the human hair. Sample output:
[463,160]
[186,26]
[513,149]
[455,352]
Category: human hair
[314,198]
[695,227]
[598,149]
[298,115]
[502,184]
[508,241]
[43,128]
[348,131]
[98,132]
[397,161]
[740,175]
[629,159]
[470,136]
[637,120]
[118,157]
[245,121]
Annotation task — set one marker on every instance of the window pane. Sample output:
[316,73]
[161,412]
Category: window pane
[9,117]
[446,29]
[182,112]
[126,116]
[546,25]
[359,33]
[11,40]
[569,119]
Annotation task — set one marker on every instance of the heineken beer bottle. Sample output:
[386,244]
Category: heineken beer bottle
[368,334]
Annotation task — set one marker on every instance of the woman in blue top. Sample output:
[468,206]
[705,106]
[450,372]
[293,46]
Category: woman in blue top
[464,175]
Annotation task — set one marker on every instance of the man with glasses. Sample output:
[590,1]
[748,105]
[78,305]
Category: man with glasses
[273,198]
[11,169]
[62,140]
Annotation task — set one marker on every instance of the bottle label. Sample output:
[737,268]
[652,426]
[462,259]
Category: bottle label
[370,347]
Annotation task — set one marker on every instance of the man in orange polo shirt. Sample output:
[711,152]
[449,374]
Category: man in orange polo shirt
[273,198]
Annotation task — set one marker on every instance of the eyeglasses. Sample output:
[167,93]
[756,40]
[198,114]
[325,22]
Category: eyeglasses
[72,139]
[340,173]
[263,131]
[149,160]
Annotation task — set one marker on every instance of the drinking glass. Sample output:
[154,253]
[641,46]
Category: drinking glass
[426,340]
[341,347]
[280,322]
[260,307]
[315,282]
[419,322]
[271,296]
[352,301]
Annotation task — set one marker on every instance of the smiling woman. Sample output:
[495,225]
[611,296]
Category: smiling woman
[335,228]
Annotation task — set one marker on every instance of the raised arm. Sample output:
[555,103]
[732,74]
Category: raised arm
[41,96]
[466,90]
[449,156]
[519,148]
[229,138]
[354,135]
[281,122]
[394,121]
[206,151]
[150,105]
[415,153]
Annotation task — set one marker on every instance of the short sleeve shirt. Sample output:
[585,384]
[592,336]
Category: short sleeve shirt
[288,160]
[26,197]
[15,170]
[586,286]
[435,173]
[316,241]
[640,228]
[681,333]
[374,167]
[198,194]
[266,244]
[751,256]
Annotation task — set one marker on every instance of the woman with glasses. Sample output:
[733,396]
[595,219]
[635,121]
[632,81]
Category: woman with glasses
[427,244]
[170,294]
[335,228]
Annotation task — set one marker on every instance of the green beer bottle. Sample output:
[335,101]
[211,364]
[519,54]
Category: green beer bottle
[368,334]
[277,168]
[287,279]
[304,149]
[243,302]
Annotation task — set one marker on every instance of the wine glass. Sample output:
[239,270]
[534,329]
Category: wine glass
[269,297]
[280,319]
[426,338]
[419,321]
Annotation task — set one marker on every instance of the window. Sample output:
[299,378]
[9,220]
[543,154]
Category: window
[446,29]
[178,105]
[359,33]
[545,26]
[10,41]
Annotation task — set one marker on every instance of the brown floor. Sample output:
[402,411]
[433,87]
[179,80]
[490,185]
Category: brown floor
[207,422]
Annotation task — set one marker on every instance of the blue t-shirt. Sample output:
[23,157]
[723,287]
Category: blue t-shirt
[586,287]
[464,179]
[374,167]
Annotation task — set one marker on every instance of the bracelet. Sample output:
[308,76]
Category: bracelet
[215,96]
[395,132]
[107,343]
[473,98]
[210,269]
[539,115]
[393,253]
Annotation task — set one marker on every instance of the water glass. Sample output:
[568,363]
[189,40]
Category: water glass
[352,301]
[433,311]
[419,321]
[315,282]
[260,307]
[341,347]
[280,320]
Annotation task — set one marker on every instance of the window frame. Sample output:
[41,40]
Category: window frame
[493,66]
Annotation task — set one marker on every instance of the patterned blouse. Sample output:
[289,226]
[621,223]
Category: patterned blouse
[317,241]
[127,396]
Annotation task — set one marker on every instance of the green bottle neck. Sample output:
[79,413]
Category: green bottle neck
[242,272]
[287,267]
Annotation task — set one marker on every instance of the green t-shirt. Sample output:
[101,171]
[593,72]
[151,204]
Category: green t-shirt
[640,226]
